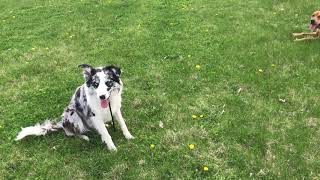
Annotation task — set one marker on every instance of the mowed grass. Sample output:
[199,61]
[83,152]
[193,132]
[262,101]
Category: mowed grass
[248,62]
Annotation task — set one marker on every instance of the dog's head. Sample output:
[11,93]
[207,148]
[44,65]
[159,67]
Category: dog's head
[102,81]
[315,21]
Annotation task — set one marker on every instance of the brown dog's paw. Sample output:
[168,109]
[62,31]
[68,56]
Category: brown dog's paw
[296,34]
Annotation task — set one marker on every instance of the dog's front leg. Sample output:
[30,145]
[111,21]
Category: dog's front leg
[102,130]
[123,125]
[306,38]
[313,34]
[304,34]
[296,35]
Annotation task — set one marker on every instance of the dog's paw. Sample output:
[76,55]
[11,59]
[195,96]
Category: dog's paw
[110,144]
[128,136]
[84,137]
[296,34]
[112,148]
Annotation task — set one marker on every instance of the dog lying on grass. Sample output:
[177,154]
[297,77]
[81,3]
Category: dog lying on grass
[89,107]
[314,26]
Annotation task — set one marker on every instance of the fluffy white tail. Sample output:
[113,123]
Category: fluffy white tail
[38,129]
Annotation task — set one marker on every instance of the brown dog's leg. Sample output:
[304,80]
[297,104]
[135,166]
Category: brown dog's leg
[306,38]
[297,34]
[304,34]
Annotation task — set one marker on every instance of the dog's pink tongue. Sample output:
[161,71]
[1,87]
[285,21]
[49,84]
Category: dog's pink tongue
[104,103]
[312,26]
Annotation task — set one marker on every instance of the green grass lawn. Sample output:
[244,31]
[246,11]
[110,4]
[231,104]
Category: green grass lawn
[248,61]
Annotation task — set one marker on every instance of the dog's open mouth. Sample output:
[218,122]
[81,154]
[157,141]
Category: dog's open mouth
[104,103]
[313,26]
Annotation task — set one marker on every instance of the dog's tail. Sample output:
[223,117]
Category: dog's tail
[39,129]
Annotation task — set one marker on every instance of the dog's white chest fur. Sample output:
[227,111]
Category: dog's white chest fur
[104,113]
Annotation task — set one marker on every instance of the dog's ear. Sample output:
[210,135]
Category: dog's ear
[87,70]
[113,71]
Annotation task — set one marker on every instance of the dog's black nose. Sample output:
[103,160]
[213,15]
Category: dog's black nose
[102,97]
[312,21]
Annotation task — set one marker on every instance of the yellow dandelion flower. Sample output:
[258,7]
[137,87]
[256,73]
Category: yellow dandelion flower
[152,146]
[205,168]
[273,65]
[201,116]
[191,146]
[46,48]
[198,66]
[260,70]
[194,116]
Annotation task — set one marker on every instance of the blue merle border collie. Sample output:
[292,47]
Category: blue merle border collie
[89,107]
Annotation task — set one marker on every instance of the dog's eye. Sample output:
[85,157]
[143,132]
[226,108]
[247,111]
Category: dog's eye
[109,83]
[318,17]
[95,85]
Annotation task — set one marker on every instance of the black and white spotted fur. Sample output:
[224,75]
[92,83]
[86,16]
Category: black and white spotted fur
[88,108]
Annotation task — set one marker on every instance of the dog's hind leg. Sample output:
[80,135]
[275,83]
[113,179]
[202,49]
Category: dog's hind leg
[68,133]
[123,125]
[84,137]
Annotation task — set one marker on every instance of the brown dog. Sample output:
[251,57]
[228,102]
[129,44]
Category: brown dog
[314,26]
